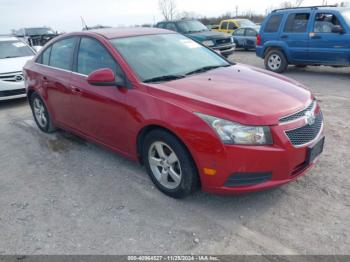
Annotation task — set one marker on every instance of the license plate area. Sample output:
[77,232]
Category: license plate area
[314,151]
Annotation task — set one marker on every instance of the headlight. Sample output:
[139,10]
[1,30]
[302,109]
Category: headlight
[208,43]
[234,133]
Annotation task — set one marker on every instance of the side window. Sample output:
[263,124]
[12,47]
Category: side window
[273,24]
[232,26]
[45,57]
[92,56]
[223,25]
[324,23]
[62,53]
[251,32]
[171,26]
[239,32]
[297,23]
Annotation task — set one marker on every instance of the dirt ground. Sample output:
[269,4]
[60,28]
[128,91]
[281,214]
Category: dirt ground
[63,195]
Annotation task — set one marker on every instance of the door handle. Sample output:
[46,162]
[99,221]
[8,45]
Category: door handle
[76,90]
[314,36]
[284,36]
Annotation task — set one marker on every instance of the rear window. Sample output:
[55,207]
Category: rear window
[297,23]
[273,24]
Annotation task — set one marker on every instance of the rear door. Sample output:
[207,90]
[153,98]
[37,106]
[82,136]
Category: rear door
[231,27]
[238,37]
[223,26]
[56,76]
[250,36]
[327,47]
[295,35]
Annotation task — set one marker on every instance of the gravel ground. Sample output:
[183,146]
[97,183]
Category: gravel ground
[62,195]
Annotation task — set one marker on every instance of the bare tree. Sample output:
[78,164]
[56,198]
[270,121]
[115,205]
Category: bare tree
[290,4]
[168,9]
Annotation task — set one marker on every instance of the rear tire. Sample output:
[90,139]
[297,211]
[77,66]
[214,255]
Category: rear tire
[276,61]
[169,164]
[41,114]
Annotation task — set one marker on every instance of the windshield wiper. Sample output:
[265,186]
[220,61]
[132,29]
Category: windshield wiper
[205,69]
[163,78]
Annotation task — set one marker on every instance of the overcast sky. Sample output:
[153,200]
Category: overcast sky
[64,15]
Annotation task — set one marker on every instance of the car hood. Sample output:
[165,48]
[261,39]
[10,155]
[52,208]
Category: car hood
[9,65]
[207,35]
[238,93]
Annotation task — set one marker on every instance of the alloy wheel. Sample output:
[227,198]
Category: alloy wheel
[40,112]
[165,165]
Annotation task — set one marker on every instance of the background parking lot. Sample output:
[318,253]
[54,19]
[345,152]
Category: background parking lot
[63,195]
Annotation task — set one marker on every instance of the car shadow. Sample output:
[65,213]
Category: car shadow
[6,104]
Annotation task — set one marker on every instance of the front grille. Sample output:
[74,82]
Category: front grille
[12,92]
[12,77]
[299,114]
[307,133]
[223,41]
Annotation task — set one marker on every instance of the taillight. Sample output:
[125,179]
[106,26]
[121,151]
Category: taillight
[258,39]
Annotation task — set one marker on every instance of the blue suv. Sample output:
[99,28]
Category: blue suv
[305,36]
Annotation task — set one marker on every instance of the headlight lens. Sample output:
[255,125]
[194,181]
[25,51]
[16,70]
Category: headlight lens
[208,43]
[234,133]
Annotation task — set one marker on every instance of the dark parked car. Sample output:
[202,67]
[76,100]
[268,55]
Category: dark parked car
[305,36]
[191,117]
[221,42]
[245,37]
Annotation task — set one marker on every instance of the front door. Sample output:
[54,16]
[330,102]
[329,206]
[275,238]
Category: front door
[327,47]
[100,111]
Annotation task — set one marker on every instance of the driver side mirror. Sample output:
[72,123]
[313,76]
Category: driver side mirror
[105,77]
[337,29]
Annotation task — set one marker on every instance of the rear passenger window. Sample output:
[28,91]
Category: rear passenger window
[45,57]
[251,32]
[62,53]
[239,32]
[273,24]
[297,23]
[92,56]
[223,25]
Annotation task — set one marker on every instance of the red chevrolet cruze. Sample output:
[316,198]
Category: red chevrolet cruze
[190,116]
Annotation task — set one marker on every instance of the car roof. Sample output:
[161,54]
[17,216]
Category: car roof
[111,33]
[308,8]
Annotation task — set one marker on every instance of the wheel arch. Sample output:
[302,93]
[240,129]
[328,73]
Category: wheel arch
[151,127]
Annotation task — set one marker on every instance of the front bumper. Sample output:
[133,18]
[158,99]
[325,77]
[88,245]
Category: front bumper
[243,169]
[225,50]
[12,90]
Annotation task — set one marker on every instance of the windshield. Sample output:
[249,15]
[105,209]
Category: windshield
[346,15]
[246,23]
[39,31]
[155,56]
[191,27]
[10,49]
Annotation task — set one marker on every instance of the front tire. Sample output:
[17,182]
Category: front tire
[41,114]
[169,164]
[276,61]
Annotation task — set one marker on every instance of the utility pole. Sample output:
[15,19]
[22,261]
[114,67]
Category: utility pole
[237,10]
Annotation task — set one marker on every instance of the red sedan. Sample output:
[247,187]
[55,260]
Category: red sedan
[192,118]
